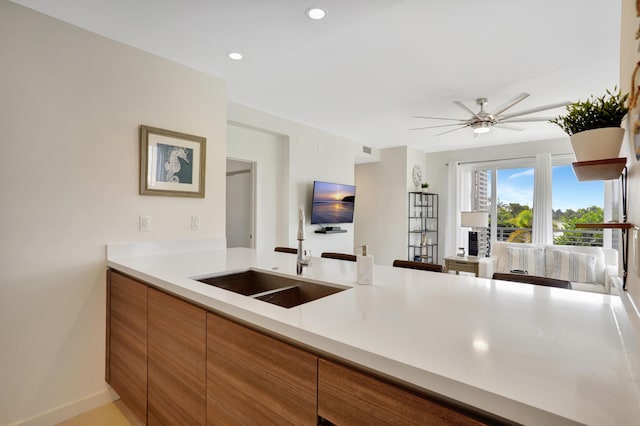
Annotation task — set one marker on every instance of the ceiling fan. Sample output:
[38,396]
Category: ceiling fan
[482,121]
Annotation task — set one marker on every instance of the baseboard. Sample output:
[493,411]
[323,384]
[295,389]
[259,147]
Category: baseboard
[70,410]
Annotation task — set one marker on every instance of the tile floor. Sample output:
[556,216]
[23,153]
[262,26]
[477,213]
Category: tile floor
[113,414]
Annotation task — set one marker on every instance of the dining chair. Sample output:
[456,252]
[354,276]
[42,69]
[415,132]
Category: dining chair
[434,267]
[532,279]
[286,250]
[340,256]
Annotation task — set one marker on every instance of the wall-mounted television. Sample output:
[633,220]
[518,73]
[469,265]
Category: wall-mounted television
[332,203]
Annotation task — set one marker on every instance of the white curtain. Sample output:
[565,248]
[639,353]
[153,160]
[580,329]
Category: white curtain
[452,227]
[542,214]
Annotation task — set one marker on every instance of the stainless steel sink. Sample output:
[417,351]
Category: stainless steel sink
[298,294]
[281,291]
[249,282]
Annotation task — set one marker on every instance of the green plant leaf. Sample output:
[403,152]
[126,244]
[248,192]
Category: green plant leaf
[594,113]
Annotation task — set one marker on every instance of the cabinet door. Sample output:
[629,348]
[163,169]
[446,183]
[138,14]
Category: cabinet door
[256,379]
[346,396]
[127,341]
[177,361]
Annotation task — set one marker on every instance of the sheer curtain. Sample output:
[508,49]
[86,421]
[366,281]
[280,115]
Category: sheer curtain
[542,214]
[452,227]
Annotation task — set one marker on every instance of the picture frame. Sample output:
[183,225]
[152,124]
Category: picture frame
[635,135]
[171,163]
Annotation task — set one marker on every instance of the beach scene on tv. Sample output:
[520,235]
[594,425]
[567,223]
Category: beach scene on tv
[332,203]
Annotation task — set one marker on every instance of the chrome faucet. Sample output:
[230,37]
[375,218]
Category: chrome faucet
[302,260]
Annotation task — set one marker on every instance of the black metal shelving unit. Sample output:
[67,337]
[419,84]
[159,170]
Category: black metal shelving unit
[609,169]
[422,239]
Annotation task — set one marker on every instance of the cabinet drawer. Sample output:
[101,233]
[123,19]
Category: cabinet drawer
[461,266]
[176,380]
[254,379]
[346,396]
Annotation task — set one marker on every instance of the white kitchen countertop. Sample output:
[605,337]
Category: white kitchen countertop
[530,354]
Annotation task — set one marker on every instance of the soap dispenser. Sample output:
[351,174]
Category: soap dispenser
[364,266]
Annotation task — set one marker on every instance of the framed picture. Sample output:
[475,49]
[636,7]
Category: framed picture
[171,163]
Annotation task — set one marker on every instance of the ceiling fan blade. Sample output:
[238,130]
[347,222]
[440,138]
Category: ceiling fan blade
[525,120]
[502,108]
[433,127]
[464,107]
[440,118]
[532,110]
[507,127]
[449,131]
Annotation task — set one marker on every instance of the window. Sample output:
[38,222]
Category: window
[506,189]
[576,202]
[514,205]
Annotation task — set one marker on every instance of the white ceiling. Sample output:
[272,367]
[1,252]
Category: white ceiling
[371,65]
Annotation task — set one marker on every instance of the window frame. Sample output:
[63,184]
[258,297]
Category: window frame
[611,199]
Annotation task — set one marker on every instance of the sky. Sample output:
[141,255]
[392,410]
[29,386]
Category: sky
[516,186]
[324,191]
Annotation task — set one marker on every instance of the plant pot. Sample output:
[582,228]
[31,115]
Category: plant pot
[597,144]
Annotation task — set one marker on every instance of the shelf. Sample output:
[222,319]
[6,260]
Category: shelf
[333,231]
[624,228]
[608,225]
[422,226]
[608,169]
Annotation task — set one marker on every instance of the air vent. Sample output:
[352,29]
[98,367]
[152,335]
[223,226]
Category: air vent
[366,149]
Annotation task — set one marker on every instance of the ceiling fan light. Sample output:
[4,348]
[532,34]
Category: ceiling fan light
[481,128]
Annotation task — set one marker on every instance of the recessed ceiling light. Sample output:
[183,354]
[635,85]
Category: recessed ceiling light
[316,13]
[235,56]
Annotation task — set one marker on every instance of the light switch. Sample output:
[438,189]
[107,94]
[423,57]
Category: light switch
[195,223]
[145,223]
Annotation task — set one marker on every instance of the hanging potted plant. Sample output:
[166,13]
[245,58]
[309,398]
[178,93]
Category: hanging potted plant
[594,125]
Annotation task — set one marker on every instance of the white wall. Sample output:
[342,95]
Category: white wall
[629,56]
[381,216]
[270,153]
[312,155]
[70,109]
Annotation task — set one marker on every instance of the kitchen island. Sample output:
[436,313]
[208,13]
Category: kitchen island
[526,354]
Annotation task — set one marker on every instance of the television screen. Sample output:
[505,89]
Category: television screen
[332,203]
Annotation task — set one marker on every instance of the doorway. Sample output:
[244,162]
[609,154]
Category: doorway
[240,202]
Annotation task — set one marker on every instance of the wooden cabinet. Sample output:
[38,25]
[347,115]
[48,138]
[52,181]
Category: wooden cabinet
[126,366]
[346,396]
[177,361]
[174,363]
[255,379]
